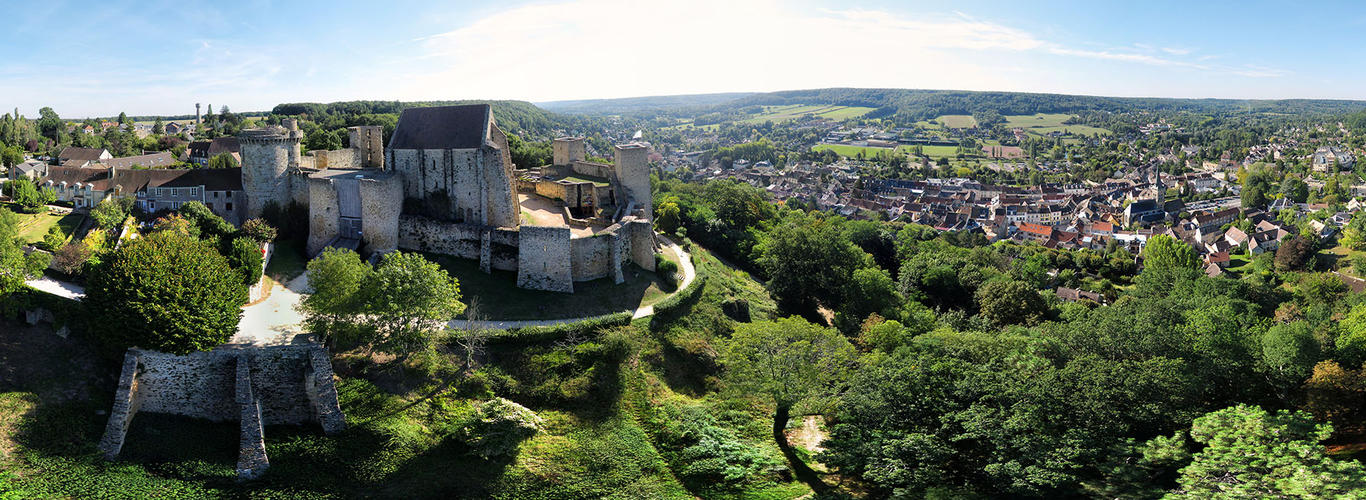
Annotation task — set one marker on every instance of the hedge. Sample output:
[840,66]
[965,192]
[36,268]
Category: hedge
[534,334]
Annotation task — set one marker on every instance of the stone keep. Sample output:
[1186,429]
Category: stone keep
[567,150]
[633,171]
[268,155]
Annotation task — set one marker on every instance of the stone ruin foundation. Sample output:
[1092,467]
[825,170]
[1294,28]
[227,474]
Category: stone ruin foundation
[256,387]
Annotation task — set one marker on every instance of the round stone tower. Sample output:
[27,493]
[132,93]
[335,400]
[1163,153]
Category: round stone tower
[268,155]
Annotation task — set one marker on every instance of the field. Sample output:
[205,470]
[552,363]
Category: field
[499,297]
[957,121]
[1044,123]
[794,111]
[853,151]
[33,227]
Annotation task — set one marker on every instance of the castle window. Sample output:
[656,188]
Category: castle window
[209,204]
[229,206]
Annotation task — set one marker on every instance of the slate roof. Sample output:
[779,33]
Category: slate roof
[213,179]
[79,155]
[162,159]
[443,127]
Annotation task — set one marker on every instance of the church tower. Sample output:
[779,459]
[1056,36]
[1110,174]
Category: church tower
[1161,190]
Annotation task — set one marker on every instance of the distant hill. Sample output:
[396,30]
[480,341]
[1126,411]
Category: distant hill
[914,103]
[514,116]
[637,104]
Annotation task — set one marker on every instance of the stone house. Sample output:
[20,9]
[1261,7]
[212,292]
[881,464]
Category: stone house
[153,190]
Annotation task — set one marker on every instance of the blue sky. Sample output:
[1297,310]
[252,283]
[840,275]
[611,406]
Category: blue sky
[160,57]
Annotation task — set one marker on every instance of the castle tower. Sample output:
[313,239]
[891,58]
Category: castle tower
[268,155]
[368,141]
[566,151]
[196,113]
[633,171]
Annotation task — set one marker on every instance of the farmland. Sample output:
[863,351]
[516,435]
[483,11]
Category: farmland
[853,151]
[957,121]
[1044,123]
[793,111]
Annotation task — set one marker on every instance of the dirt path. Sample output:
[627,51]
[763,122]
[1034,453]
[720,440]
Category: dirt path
[809,435]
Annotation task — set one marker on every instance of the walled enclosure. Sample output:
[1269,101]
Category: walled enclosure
[256,387]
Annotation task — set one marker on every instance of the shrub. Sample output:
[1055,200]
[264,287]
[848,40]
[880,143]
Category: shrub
[667,270]
[71,258]
[495,427]
[259,230]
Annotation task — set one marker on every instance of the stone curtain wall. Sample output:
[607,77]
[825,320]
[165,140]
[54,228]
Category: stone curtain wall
[593,169]
[591,258]
[430,235]
[126,402]
[256,386]
[340,158]
[541,259]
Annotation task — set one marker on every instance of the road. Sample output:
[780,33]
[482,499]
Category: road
[274,321]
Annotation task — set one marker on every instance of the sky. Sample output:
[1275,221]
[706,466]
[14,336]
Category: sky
[160,57]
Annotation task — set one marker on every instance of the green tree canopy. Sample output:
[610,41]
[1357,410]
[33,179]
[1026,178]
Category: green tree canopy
[166,291]
[1252,453]
[1165,252]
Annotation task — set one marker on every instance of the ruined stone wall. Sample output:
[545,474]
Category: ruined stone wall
[368,142]
[500,200]
[381,202]
[323,214]
[541,259]
[551,189]
[591,257]
[340,158]
[198,385]
[126,404]
[593,169]
[436,236]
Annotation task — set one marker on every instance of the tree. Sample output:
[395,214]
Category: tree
[109,213]
[1290,351]
[668,217]
[158,128]
[24,193]
[789,361]
[244,255]
[1293,253]
[166,291]
[1008,302]
[870,291]
[331,311]
[1165,252]
[11,156]
[1257,186]
[1295,189]
[1251,453]
[222,160]
[409,299]
[809,262]
[70,258]
[323,140]
[1354,233]
[259,230]
[15,266]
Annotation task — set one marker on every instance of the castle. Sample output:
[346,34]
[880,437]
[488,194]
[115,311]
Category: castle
[446,184]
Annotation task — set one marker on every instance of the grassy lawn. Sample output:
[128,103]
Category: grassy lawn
[846,112]
[33,227]
[957,121]
[499,297]
[289,260]
[597,181]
